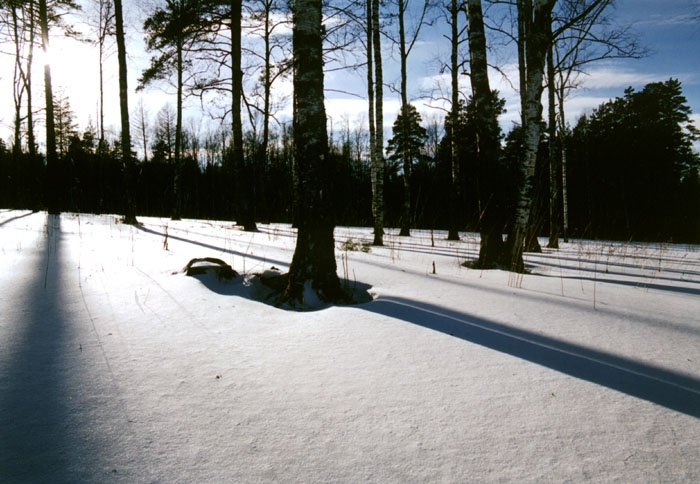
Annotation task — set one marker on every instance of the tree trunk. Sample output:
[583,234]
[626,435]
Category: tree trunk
[177,179]
[128,162]
[313,264]
[562,138]
[553,158]
[243,181]
[455,192]
[19,83]
[374,173]
[491,224]
[536,44]
[378,147]
[405,156]
[52,168]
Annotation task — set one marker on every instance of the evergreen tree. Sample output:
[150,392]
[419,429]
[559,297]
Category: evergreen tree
[406,146]
[630,159]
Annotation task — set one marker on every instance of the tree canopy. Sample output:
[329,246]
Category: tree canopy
[632,160]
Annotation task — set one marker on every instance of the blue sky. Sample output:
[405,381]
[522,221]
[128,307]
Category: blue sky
[665,27]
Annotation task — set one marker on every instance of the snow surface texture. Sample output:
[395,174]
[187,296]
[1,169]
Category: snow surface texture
[117,367]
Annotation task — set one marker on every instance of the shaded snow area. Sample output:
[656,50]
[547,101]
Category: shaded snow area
[116,366]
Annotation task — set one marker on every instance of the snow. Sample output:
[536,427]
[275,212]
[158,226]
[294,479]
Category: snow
[115,366]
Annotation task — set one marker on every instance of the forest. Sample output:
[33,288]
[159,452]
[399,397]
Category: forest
[626,171]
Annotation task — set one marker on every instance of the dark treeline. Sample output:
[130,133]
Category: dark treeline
[631,173]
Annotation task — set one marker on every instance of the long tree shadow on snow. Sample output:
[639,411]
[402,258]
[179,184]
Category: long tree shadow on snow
[661,386]
[218,249]
[44,434]
[16,217]
[35,444]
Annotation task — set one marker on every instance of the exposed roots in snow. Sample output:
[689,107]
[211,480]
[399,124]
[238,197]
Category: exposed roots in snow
[199,266]
[305,297]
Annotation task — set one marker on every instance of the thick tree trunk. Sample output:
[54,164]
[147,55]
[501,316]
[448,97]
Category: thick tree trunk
[313,264]
[128,162]
[491,225]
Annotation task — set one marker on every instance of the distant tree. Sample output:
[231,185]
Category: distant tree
[142,128]
[172,32]
[164,134]
[64,122]
[267,22]
[405,42]
[455,189]
[313,264]
[583,32]
[101,23]
[406,147]
[631,160]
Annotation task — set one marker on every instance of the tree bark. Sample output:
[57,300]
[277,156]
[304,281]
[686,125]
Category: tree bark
[243,181]
[455,192]
[376,216]
[554,160]
[313,264]
[52,168]
[491,224]
[378,147]
[128,162]
[31,139]
[406,159]
[537,42]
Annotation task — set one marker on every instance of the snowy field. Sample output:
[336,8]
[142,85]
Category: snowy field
[115,366]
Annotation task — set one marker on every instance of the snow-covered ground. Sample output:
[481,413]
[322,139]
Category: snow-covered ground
[117,367]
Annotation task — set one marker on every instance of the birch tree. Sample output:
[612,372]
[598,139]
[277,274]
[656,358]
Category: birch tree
[375,95]
[536,18]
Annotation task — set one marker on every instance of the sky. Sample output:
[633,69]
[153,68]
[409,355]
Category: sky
[666,29]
